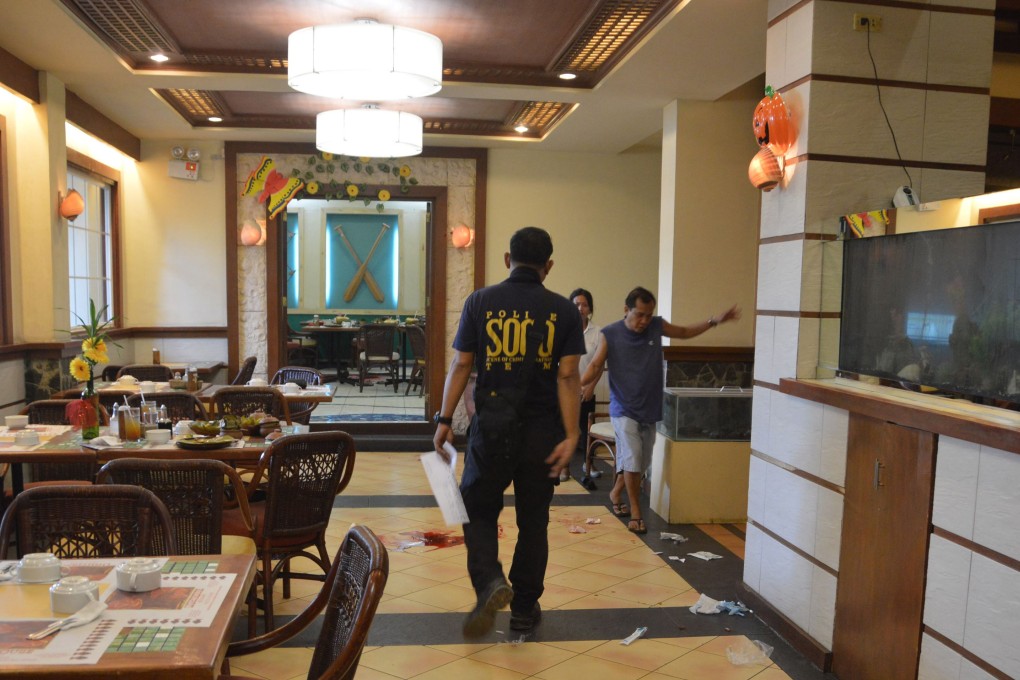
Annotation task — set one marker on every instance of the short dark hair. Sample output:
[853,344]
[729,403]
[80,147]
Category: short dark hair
[639,293]
[531,247]
[587,296]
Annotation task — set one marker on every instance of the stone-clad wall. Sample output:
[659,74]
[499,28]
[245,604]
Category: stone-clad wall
[457,175]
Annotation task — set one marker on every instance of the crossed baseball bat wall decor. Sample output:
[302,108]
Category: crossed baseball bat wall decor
[370,281]
[352,287]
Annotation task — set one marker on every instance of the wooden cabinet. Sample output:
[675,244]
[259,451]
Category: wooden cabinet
[886,518]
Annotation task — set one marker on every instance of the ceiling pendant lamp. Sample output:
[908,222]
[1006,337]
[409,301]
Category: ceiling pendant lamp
[369,131]
[364,60]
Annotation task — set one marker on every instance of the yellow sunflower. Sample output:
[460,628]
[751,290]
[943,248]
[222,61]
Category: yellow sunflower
[312,187]
[94,349]
[405,170]
[384,195]
[327,156]
[352,190]
[80,369]
[365,159]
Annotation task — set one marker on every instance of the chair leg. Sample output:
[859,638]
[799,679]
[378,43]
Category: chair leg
[286,578]
[267,588]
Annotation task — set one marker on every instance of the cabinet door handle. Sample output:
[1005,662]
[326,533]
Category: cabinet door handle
[878,474]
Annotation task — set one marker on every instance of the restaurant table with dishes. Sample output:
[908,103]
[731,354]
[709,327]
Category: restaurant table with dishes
[61,443]
[344,325]
[291,393]
[160,617]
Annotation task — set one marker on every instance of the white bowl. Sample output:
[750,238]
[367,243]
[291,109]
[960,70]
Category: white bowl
[127,380]
[39,568]
[72,593]
[16,422]
[147,386]
[290,388]
[158,436]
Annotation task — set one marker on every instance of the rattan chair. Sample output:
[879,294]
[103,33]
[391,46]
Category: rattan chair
[179,405]
[304,472]
[243,401]
[54,412]
[101,520]
[375,350]
[300,411]
[193,492]
[246,372]
[416,338]
[153,372]
[357,578]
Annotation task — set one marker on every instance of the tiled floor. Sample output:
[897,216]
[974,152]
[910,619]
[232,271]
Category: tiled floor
[378,400]
[602,583]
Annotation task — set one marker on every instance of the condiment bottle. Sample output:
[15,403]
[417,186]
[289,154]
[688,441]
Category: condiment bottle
[155,355]
[192,378]
[115,421]
[163,421]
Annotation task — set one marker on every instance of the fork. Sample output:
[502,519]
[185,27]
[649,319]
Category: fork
[88,613]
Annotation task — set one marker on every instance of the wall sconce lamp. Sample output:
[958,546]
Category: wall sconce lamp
[71,205]
[463,236]
[253,233]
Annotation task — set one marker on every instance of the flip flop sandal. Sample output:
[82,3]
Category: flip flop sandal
[621,510]
[637,526]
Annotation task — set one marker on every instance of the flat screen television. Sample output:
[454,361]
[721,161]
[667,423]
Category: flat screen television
[936,308]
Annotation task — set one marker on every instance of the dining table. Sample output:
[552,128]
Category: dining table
[325,328]
[312,394]
[63,444]
[179,631]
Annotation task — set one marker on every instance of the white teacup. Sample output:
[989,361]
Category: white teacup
[147,386]
[158,436]
[127,380]
[26,438]
[16,422]
[72,593]
[39,568]
[182,427]
[290,388]
[257,382]
[139,575]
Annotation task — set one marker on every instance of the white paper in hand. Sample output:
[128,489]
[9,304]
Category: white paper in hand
[444,485]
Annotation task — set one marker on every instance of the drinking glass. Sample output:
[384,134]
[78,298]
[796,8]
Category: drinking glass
[130,422]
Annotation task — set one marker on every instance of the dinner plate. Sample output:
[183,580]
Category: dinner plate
[200,442]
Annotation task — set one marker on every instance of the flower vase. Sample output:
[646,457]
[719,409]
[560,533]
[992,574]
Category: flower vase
[89,411]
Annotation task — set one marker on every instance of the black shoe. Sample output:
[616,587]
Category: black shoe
[480,620]
[525,621]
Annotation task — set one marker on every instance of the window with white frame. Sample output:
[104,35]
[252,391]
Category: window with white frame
[90,247]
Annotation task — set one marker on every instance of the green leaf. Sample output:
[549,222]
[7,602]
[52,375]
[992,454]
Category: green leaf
[311,160]
[329,197]
[369,169]
[309,175]
[319,167]
[330,168]
[379,207]
[295,172]
[368,201]
[403,180]
[357,167]
[404,188]
[384,167]
[396,172]
[413,180]
[345,166]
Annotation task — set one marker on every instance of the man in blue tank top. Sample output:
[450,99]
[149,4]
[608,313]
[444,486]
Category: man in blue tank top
[525,342]
[633,347]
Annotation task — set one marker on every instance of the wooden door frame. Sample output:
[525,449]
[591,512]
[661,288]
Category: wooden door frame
[437,268]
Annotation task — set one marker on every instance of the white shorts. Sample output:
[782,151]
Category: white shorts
[634,442]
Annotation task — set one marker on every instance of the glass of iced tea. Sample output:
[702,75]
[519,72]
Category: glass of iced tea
[130,423]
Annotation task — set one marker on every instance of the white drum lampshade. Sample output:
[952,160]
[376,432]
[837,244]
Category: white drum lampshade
[368,131]
[365,61]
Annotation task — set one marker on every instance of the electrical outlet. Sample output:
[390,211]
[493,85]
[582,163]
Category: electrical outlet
[867,22]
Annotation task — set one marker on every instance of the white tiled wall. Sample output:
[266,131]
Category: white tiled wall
[971,599]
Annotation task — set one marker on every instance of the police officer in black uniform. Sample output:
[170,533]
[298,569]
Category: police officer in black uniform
[525,343]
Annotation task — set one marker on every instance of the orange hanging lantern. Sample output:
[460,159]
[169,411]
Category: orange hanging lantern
[772,124]
[764,171]
[252,234]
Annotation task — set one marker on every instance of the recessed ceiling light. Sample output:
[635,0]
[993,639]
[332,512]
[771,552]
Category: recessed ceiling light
[567,76]
[160,58]
[215,119]
[521,128]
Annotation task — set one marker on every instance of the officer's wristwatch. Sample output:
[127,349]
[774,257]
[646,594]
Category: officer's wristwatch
[440,420]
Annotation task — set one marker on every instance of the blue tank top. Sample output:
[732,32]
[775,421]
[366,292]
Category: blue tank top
[635,371]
